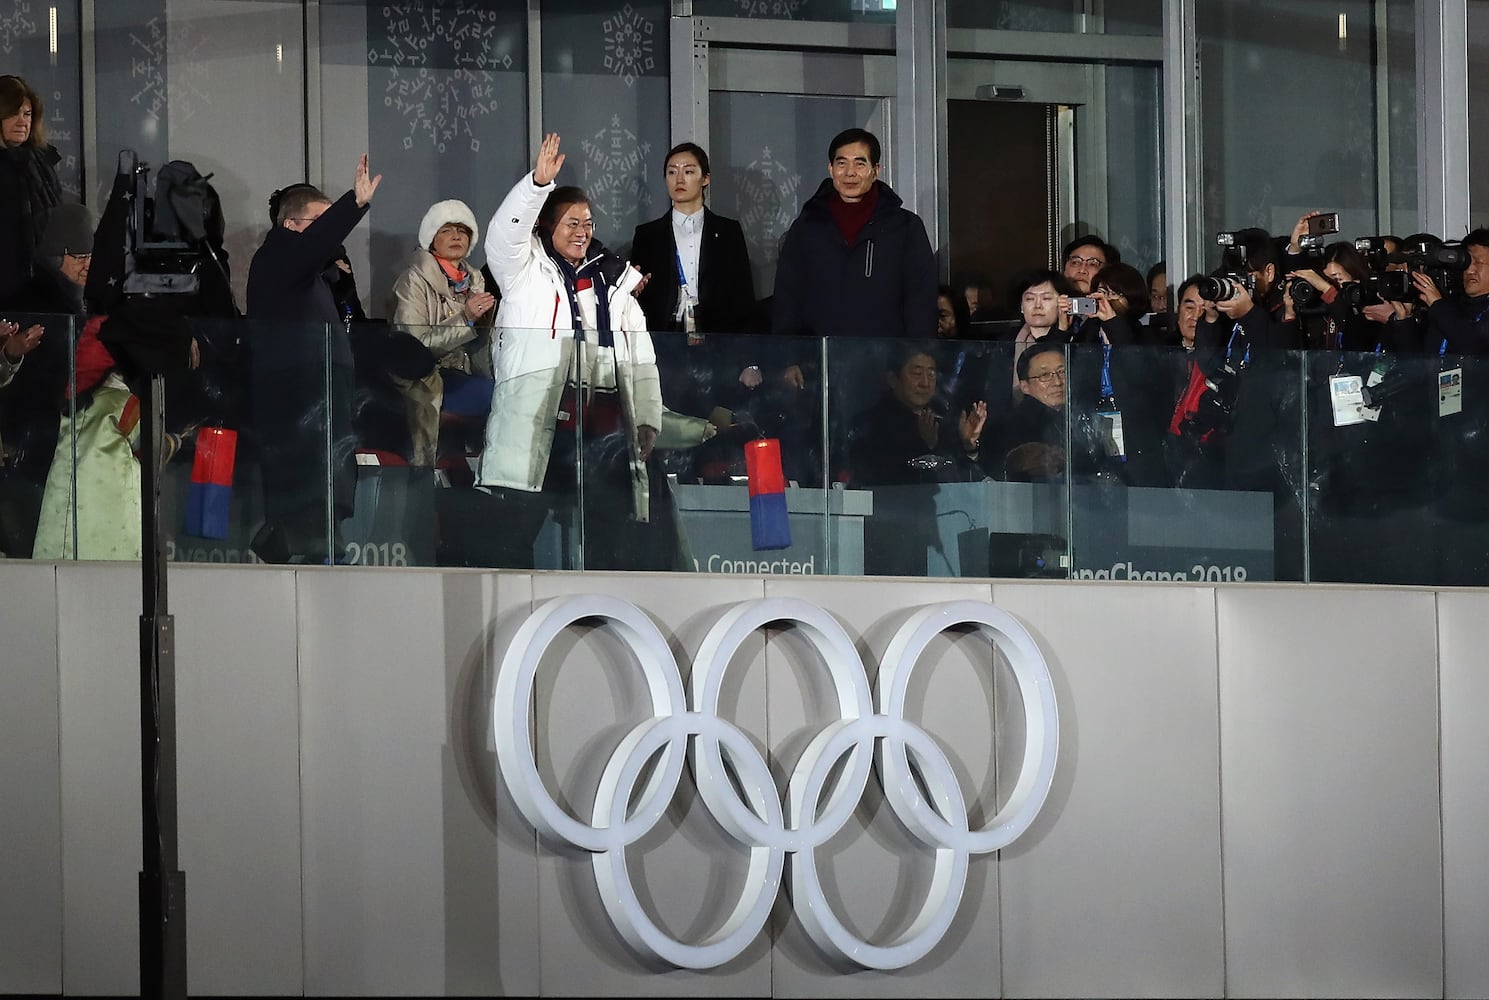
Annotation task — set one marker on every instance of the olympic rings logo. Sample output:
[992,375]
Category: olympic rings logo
[772,829]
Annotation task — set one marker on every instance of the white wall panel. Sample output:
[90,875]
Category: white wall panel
[490,871]
[877,874]
[98,608]
[30,782]
[238,721]
[1463,637]
[377,664]
[1329,792]
[688,870]
[1116,890]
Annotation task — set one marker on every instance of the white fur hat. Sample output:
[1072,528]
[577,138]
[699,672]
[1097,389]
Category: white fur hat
[443,212]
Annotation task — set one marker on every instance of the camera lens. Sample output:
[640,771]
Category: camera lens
[1218,289]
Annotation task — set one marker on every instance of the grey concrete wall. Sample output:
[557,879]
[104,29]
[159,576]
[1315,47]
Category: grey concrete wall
[1262,790]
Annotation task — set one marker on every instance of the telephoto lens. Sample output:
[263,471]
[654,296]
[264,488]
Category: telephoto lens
[1220,288]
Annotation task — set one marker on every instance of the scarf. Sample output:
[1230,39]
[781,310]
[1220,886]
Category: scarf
[455,274]
[852,218]
[578,277]
[40,188]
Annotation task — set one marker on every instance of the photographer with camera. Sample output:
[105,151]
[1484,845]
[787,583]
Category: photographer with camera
[1247,300]
[1457,319]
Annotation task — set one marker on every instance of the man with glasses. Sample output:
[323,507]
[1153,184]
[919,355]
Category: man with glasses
[295,323]
[1084,258]
[1032,445]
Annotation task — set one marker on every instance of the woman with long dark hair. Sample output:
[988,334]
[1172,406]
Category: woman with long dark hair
[29,187]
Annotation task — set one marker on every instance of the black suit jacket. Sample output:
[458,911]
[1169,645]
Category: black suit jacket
[726,302]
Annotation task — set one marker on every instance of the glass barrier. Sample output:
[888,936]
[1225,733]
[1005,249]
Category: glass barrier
[1178,478]
[36,439]
[1396,486]
[359,446]
[734,482]
[259,448]
[959,465]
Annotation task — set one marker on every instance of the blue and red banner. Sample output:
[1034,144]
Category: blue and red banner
[770,526]
[209,497]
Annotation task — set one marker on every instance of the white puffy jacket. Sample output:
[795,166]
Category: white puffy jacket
[535,349]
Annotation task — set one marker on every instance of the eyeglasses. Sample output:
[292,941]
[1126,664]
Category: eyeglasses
[78,256]
[1048,377]
[1088,261]
[573,225]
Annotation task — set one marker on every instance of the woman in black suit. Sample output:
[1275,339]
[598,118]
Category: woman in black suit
[698,283]
[706,249]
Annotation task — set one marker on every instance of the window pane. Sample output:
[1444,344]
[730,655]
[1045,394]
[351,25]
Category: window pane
[446,99]
[1270,156]
[882,11]
[605,91]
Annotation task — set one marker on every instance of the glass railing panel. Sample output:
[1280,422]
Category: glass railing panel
[1207,482]
[455,467]
[1397,468]
[36,435]
[732,482]
[262,468]
[963,473]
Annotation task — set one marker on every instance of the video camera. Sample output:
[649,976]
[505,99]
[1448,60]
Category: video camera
[171,231]
[1444,263]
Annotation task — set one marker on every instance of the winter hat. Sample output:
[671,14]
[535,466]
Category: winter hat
[444,212]
[69,229]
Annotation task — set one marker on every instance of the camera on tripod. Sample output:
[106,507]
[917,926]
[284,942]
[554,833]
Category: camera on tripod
[173,229]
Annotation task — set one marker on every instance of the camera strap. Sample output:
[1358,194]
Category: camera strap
[1108,417]
[1230,346]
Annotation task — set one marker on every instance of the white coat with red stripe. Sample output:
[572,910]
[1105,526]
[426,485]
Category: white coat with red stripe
[535,350]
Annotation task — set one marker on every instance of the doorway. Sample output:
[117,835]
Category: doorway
[1003,189]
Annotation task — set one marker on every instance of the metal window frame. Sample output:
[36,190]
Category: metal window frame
[922,44]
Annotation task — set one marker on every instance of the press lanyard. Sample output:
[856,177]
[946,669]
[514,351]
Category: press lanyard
[685,301]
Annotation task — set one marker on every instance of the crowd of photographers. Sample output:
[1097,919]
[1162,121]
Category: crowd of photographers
[1096,372]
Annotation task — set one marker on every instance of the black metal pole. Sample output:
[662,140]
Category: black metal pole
[162,884]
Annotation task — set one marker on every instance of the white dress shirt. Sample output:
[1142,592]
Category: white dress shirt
[687,230]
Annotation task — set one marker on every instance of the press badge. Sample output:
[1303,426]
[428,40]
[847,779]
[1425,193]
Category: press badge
[1449,392]
[1110,422]
[1347,400]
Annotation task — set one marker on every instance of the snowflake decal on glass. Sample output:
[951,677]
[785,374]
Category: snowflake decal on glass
[770,8]
[184,91]
[768,200]
[441,62]
[615,174]
[629,44]
[16,25]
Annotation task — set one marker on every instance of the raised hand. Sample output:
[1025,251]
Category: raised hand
[1426,288]
[478,304]
[1299,231]
[18,343]
[971,426]
[549,161]
[930,427]
[364,186]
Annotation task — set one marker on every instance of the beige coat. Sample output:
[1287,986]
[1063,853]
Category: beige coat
[424,306]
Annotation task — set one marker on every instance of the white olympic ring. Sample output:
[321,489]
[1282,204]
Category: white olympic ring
[768,828]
